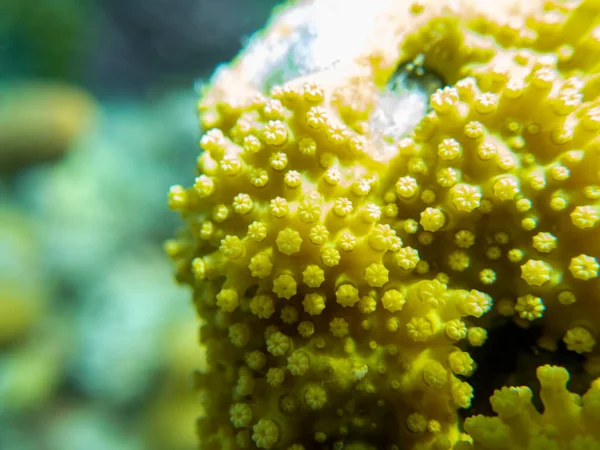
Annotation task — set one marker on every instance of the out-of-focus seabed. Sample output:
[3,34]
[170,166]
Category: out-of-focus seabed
[96,343]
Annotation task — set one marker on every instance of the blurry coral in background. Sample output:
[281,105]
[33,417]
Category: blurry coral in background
[40,120]
[96,122]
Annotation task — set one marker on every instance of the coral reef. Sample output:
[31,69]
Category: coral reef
[346,269]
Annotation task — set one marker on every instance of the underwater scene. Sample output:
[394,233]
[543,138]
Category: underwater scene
[97,120]
[309,224]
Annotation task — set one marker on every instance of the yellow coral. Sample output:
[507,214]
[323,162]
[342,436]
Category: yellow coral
[567,421]
[343,269]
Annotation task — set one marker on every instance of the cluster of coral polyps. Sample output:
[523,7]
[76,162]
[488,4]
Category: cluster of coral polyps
[343,274]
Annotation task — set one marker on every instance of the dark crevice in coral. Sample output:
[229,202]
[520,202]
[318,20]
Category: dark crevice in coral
[498,363]
[510,357]
[413,75]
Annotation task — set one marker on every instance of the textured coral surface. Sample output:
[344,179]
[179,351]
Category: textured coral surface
[346,271]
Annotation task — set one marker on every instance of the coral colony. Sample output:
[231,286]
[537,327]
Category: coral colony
[351,248]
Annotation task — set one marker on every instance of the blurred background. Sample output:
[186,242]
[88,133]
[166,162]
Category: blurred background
[97,120]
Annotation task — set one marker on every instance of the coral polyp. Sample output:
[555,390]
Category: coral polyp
[345,264]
